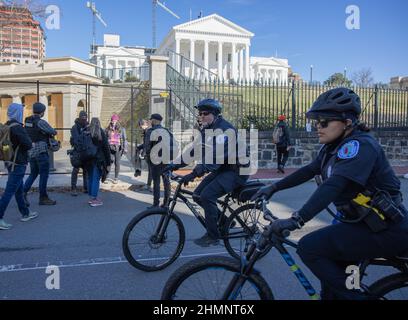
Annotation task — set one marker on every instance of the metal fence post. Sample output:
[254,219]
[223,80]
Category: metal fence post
[38,90]
[293,105]
[132,129]
[376,108]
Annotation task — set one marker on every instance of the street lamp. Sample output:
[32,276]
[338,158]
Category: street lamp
[311,74]
[345,72]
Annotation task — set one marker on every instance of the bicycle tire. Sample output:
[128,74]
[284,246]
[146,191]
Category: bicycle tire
[236,253]
[229,264]
[384,286]
[138,262]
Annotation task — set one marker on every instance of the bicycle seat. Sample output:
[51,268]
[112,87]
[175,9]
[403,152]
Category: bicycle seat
[244,193]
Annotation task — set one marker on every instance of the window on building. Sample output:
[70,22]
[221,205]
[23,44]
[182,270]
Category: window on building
[26,62]
[216,57]
[229,57]
[202,57]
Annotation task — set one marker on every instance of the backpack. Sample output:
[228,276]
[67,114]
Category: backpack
[7,153]
[277,134]
[86,148]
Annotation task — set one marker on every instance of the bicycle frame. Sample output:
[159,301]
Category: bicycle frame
[180,193]
[267,238]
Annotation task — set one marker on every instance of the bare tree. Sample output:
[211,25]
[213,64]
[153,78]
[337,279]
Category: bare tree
[363,77]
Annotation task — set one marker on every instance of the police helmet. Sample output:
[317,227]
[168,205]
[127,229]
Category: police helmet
[210,105]
[339,103]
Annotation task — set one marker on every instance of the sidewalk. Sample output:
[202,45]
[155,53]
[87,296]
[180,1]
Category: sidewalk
[61,179]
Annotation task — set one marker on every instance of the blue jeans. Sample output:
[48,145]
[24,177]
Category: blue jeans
[94,177]
[39,165]
[14,187]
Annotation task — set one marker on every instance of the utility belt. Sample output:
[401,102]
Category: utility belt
[377,210]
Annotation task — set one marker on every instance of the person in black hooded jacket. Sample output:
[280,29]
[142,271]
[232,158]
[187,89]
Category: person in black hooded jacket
[80,124]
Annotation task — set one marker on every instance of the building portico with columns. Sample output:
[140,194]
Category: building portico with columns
[220,47]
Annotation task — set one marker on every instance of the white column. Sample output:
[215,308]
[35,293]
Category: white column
[234,61]
[17,99]
[177,66]
[206,56]
[241,64]
[220,62]
[192,58]
[247,63]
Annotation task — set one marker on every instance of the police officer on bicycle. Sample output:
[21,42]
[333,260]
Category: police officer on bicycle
[223,176]
[359,180]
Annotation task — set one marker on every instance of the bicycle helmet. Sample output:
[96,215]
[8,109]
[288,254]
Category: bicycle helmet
[339,103]
[210,105]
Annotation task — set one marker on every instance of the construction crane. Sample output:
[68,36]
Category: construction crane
[95,15]
[156,3]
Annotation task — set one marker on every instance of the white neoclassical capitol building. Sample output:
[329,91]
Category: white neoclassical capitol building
[207,46]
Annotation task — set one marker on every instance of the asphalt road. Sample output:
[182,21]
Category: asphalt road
[86,243]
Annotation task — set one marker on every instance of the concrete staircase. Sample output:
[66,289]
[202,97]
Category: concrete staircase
[114,100]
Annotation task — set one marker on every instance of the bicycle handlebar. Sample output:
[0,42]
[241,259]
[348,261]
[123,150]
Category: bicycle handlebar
[269,216]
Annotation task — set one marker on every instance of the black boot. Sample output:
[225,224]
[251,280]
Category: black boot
[45,201]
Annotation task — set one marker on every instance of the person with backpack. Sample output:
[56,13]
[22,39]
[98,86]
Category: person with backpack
[281,137]
[157,168]
[117,143]
[14,145]
[80,125]
[95,152]
[40,133]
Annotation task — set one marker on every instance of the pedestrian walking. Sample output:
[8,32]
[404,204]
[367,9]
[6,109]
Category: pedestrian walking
[281,137]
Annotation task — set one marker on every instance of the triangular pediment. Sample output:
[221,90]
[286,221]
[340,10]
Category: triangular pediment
[213,24]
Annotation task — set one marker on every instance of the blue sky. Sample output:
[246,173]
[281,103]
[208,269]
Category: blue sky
[307,33]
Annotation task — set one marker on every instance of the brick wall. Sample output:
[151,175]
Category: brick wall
[306,147]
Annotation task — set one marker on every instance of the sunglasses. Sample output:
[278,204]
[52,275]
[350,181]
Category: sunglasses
[203,113]
[323,123]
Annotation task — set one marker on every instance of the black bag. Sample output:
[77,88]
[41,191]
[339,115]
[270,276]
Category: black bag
[86,148]
[75,158]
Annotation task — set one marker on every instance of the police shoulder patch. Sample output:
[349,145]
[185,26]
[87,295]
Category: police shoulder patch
[349,150]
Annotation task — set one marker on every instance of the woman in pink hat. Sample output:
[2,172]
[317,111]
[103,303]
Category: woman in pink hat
[117,142]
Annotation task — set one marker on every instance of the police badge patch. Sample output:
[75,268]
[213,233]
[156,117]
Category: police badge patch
[349,150]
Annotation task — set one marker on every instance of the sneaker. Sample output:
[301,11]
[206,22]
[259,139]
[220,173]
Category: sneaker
[74,192]
[4,225]
[31,216]
[115,181]
[26,199]
[96,203]
[45,201]
[206,241]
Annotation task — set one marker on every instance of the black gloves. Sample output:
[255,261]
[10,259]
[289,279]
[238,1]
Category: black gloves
[291,224]
[170,167]
[266,192]
[188,178]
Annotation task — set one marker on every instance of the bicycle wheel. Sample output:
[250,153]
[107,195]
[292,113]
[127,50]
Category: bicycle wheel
[141,245]
[393,287]
[207,278]
[241,227]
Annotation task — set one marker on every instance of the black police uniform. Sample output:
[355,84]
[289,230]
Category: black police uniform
[327,252]
[282,145]
[223,177]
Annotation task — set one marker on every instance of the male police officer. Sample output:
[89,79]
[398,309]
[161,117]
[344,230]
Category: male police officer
[223,176]
[40,132]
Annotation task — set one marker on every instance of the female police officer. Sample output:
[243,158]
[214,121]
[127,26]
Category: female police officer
[356,176]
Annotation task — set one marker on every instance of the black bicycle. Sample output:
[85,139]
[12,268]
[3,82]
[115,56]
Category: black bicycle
[155,238]
[217,277]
